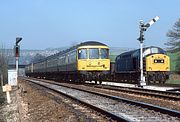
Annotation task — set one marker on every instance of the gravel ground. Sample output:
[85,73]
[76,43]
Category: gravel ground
[30,104]
[36,104]
[133,112]
[152,100]
[9,112]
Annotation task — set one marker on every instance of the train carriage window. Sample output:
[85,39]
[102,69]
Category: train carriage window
[93,53]
[104,53]
[82,54]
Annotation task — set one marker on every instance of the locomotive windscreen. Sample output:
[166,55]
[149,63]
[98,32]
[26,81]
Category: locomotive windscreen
[153,50]
[104,53]
[94,53]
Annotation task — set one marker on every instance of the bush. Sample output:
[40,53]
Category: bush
[178,64]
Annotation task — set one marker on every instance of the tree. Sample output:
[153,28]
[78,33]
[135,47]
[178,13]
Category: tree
[174,37]
[174,43]
[178,64]
[3,66]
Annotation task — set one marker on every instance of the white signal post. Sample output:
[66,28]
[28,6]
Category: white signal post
[143,27]
[17,63]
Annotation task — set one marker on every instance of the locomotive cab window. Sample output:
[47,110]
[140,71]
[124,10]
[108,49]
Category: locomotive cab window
[82,54]
[93,53]
[104,53]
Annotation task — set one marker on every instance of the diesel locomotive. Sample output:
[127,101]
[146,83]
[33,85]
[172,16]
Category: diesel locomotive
[156,66]
[85,61]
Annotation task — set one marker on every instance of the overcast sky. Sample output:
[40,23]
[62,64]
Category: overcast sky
[59,23]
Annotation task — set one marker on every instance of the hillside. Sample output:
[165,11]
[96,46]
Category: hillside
[26,56]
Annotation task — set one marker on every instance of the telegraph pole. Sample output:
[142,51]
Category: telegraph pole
[143,27]
[17,53]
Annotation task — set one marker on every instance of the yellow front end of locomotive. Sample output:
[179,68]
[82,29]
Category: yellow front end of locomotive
[93,58]
[158,62]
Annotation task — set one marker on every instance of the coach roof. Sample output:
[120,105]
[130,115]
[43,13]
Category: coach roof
[91,43]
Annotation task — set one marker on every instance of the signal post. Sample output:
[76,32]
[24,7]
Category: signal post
[143,27]
[17,53]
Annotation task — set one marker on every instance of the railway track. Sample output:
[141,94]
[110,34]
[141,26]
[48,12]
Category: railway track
[117,108]
[169,95]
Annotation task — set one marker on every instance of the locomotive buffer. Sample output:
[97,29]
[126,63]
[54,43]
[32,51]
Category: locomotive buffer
[143,27]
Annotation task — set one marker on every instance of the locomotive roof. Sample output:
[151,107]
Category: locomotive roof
[87,43]
[133,51]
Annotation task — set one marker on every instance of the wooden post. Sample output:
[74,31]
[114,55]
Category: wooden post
[7,88]
[8,97]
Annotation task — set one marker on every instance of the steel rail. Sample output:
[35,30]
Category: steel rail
[146,92]
[149,90]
